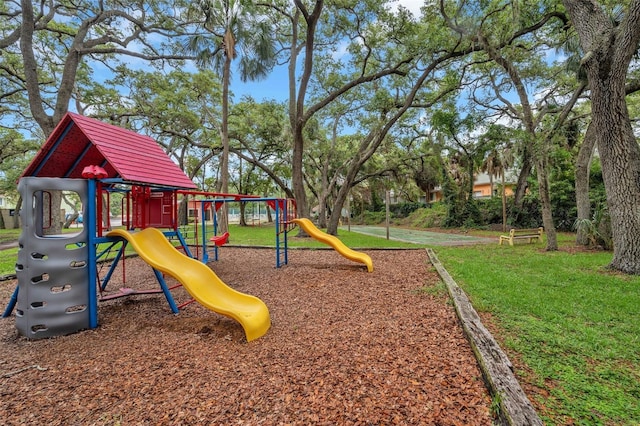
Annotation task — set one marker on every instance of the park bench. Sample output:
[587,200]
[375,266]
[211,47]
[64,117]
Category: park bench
[533,234]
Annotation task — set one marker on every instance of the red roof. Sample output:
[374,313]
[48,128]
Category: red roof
[80,141]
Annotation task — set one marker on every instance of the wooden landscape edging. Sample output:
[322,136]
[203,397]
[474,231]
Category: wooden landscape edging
[514,406]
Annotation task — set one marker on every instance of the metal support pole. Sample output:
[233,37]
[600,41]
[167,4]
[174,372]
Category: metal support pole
[166,291]
[90,223]
[387,202]
[12,303]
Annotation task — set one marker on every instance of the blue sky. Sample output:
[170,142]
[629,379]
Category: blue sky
[276,85]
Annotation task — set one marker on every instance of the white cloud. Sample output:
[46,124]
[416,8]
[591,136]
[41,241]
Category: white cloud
[412,5]
[341,50]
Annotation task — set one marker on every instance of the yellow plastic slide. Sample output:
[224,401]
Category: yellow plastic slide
[334,242]
[199,280]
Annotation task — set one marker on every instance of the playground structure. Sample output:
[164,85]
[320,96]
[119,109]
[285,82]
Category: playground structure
[199,280]
[334,242]
[284,212]
[58,278]
[58,283]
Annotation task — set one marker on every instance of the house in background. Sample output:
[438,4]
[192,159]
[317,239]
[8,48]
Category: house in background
[484,186]
[8,211]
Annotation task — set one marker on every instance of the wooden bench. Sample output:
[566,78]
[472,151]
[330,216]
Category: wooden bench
[531,235]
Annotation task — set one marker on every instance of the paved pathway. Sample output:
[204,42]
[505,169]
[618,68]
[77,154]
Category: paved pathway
[398,234]
[421,237]
[5,246]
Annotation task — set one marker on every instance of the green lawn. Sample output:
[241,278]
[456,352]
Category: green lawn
[574,325]
[9,235]
[265,235]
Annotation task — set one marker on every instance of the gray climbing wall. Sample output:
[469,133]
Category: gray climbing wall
[52,270]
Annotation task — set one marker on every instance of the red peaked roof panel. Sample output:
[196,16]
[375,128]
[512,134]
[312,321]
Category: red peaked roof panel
[80,141]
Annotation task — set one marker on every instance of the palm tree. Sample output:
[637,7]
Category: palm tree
[232,29]
[499,160]
[496,164]
[428,175]
[491,166]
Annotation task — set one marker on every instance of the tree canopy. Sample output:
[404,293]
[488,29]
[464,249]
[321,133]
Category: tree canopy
[374,98]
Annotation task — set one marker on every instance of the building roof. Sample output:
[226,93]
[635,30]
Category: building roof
[510,177]
[80,141]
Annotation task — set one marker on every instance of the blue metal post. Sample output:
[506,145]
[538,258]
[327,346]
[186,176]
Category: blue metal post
[166,291]
[12,303]
[286,228]
[90,223]
[114,263]
[183,242]
[215,229]
[279,213]
[205,254]
[277,209]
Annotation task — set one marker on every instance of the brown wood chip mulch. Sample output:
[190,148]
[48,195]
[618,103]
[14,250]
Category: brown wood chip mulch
[346,347]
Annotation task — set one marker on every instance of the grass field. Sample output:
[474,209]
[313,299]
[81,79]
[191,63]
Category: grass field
[9,235]
[571,325]
[574,324]
[264,235]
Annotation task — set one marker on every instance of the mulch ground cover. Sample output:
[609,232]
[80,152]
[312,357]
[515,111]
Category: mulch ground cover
[346,347]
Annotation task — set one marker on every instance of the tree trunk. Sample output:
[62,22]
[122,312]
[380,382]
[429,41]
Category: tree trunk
[183,211]
[16,215]
[620,158]
[32,79]
[610,47]
[243,219]
[297,174]
[545,201]
[323,195]
[322,212]
[504,204]
[69,220]
[367,148]
[583,165]
[269,215]
[223,218]
[297,114]
[490,185]
[521,185]
[325,187]
[52,221]
[334,218]
[470,170]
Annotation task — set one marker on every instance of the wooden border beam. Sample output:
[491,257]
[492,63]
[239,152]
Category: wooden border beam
[497,370]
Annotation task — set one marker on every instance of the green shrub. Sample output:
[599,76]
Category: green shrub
[529,216]
[373,218]
[402,210]
[563,204]
[471,217]
[597,229]
[431,217]
[491,210]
